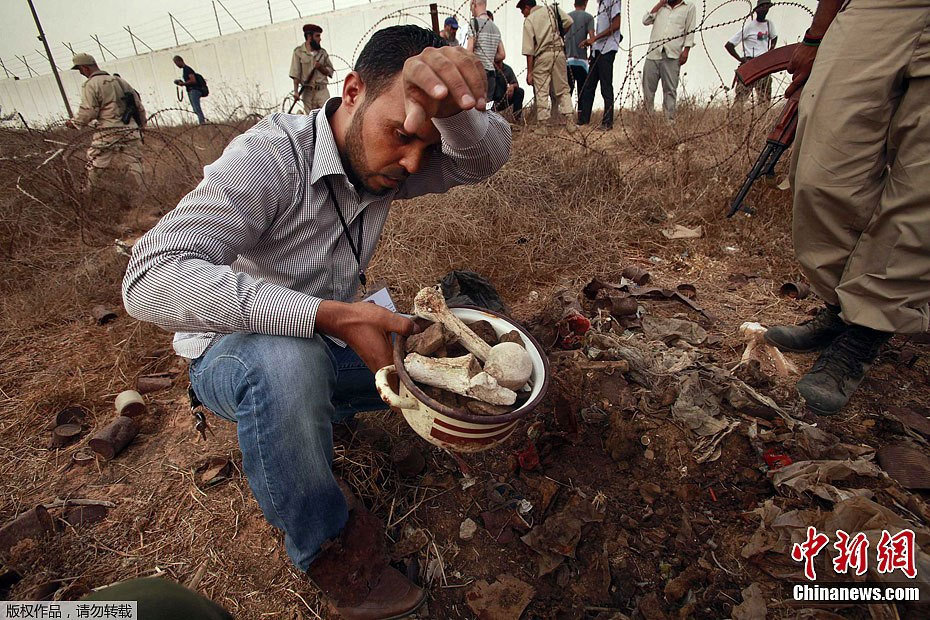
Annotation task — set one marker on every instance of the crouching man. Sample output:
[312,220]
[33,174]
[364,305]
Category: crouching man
[265,257]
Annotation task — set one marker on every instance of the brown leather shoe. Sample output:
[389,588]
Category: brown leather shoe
[393,596]
[353,572]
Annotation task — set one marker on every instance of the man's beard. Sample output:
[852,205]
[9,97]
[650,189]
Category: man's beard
[315,46]
[355,159]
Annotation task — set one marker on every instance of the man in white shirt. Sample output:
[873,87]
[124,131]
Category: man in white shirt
[604,43]
[673,23]
[756,38]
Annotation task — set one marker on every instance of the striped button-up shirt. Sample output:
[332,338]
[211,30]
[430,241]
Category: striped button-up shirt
[257,245]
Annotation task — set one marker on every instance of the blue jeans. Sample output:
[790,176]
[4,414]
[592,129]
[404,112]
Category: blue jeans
[194,95]
[285,394]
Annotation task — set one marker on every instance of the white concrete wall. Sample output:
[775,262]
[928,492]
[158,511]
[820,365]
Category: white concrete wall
[250,68]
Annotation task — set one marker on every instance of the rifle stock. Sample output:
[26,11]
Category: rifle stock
[300,93]
[768,63]
[782,134]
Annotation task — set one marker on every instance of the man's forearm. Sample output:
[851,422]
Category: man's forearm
[823,17]
[529,64]
[475,144]
[732,50]
[613,27]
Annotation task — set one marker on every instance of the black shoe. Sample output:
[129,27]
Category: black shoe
[840,369]
[811,335]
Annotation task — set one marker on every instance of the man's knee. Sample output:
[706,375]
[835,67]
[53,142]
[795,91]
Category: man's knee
[293,372]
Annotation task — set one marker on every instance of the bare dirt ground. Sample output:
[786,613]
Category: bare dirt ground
[636,516]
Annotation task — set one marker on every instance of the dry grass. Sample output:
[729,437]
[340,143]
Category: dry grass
[561,210]
[569,206]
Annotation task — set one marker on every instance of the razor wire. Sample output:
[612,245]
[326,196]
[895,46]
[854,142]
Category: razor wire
[43,164]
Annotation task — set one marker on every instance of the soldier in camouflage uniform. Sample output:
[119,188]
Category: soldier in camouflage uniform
[307,57]
[115,144]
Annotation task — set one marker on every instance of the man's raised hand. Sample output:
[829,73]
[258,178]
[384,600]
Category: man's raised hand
[441,82]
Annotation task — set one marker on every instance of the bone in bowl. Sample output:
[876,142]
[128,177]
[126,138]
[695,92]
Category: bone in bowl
[458,429]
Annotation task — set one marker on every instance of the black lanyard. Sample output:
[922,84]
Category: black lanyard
[355,246]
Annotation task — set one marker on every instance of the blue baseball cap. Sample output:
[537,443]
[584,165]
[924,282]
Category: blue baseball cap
[451,21]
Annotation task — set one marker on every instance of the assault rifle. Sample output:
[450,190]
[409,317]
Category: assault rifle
[782,135]
[303,87]
[130,109]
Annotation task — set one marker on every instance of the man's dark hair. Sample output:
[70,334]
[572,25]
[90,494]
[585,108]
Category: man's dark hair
[529,3]
[178,58]
[579,3]
[387,50]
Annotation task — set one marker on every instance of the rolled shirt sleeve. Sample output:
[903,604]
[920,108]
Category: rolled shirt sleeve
[529,39]
[649,19]
[295,67]
[475,144]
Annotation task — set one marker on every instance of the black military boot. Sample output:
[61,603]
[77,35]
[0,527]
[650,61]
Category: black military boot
[811,335]
[840,369]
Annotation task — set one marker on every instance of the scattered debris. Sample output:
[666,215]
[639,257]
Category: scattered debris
[130,403]
[83,457]
[906,464]
[687,290]
[911,419]
[153,383]
[775,458]
[753,605]
[504,524]
[505,598]
[63,434]
[103,314]
[414,540]
[467,529]
[556,538]
[33,524]
[637,275]
[215,470]
[677,231]
[8,579]
[815,477]
[678,587]
[85,514]
[795,290]
[111,439]
[756,346]
[471,289]
[408,460]
[670,330]
[70,415]
[815,443]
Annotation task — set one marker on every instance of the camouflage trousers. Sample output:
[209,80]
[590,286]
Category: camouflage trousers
[120,153]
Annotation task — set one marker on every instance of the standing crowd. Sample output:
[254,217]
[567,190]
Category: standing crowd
[565,53]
